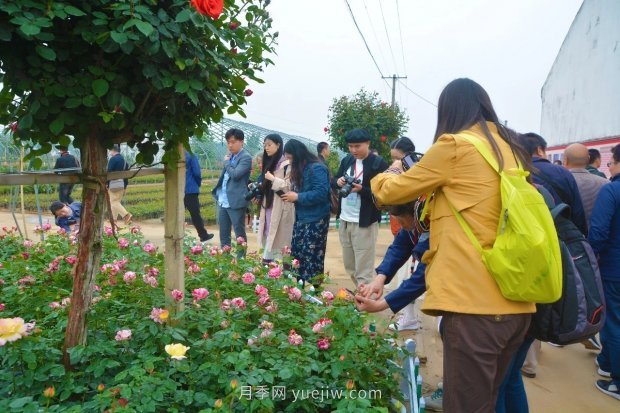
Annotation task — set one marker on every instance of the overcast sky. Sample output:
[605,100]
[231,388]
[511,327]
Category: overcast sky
[507,46]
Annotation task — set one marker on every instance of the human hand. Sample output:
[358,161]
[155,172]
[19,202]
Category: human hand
[397,164]
[356,187]
[227,157]
[374,287]
[269,176]
[340,181]
[369,305]
[290,196]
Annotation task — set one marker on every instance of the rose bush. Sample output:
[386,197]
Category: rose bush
[243,325]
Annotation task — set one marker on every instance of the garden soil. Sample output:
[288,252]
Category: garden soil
[565,378]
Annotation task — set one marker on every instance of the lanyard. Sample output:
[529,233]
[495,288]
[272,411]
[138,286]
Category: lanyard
[355,170]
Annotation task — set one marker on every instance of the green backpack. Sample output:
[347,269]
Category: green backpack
[525,259]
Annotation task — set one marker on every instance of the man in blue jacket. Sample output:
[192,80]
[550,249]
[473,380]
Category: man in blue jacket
[604,237]
[231,189]
[193,180]
[66,215]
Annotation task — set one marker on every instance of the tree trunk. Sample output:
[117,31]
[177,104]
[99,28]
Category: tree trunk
[89,251]
[174,222]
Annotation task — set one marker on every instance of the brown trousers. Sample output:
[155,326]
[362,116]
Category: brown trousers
[477,350]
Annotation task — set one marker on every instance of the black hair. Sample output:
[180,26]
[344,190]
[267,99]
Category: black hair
[531,142]
[615,153]
[403,144]
[269,164]
[464,103]
[404,209]
[116,148]
[234,133]
[301,157]
[56,206]
[594,155]
[320,146]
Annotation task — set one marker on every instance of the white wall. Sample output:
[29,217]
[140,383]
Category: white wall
[581,97]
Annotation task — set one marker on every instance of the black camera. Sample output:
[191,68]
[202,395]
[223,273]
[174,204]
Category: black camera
[348,185]
[254,191]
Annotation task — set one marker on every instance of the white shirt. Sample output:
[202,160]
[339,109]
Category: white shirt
[350,206]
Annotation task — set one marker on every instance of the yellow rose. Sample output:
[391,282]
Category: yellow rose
[164,315]
[176,351]
[49,392]
[11,329]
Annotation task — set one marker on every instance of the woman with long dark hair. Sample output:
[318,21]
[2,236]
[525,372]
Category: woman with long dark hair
[310,193]
[481,329]
[275,227]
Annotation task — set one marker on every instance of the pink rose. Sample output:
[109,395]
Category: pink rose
[240,240]
[266,333]
[294,339]
[295,263]
[200,294]
[260,290]
[123,335]
[159,315]
[71,259]
[272,308]
[2,306]
[153,272]
[47,226]
[129,277]
[226,248]
[275,272]
[193,268]
[321,324]
[294,294]
[28,243]
[149,248]
[323,343]
[248,278]
[54,304]
[177,295]
[225,305]
[263,300]
[108,231]
[266,325]
[238,302]
[327,296]
[196,249]
[123,243]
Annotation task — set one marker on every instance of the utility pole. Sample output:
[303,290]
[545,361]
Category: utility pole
[394,78]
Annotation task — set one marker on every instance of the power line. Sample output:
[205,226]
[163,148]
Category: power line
[374,33]
[416,94]
[387,34]
[364,39]
[402,47]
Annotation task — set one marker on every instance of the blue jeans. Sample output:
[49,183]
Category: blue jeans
[511,397]
[609,358]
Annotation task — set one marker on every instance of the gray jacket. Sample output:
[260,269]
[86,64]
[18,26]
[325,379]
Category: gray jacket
[239,175]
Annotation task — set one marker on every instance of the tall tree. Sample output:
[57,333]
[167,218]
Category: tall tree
[365,110]
[135,71]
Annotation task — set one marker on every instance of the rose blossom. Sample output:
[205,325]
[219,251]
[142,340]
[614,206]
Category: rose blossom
[28,243]
[153,272]
[27,280]
[321,324]
[193,268]
[275,272]
[225,248]
[136,243]
[2,306]
[272,308]
[108,231]
[295,263]
[263,300]
[266,325]
[266,333]
[152,281]
[260,290]
[159,315]
[123,243]
[177,295]
[238,302]
[200,294]
[248,278]
[129,277]
[211,8]
[225,305]
[224,323]
[240,240]
[123,335]
[71,259]
[327,296]
[149,248]
[294,339]
[294,294]
[323,343]
[196,249]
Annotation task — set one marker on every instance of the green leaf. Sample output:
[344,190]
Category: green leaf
[30,29]
[36,163]
[57,125]
[21,402]
[182,86]
[72,103]
[74,11]
[127,104]
[183,16]
[64,140]
[119,38]
[144,27]
[89,101]
[46,53]
[100,87]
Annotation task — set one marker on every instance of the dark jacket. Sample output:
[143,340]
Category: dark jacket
[562,185]
[604,235]
[193,176]
[118,163]
[313,197]
[66,160]
[65,222]
[396,256]
[373,165]
[595,171]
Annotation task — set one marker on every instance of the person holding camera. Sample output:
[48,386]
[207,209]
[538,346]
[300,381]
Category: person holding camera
[310,193]
[358,214]
[231,189]
[275,227]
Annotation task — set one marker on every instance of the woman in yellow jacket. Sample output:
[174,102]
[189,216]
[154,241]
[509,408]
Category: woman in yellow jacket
[481,329]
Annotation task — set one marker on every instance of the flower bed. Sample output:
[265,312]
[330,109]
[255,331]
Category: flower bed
[246,331]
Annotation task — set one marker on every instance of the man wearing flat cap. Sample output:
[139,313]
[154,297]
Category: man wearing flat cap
[357,212]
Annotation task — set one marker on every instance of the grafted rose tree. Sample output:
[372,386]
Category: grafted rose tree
[365,110]
[111,71]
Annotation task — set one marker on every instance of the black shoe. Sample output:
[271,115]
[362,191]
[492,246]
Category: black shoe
[209,236]
[609,388]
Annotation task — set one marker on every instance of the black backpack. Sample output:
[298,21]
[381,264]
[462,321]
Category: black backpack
[580,312]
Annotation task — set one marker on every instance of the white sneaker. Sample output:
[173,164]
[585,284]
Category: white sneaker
[402,324]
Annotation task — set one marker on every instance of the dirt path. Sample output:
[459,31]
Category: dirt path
[565,378]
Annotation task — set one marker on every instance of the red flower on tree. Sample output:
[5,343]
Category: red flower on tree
[383,138]
[234,25]
[211,8]
[248,92]
[326,129]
